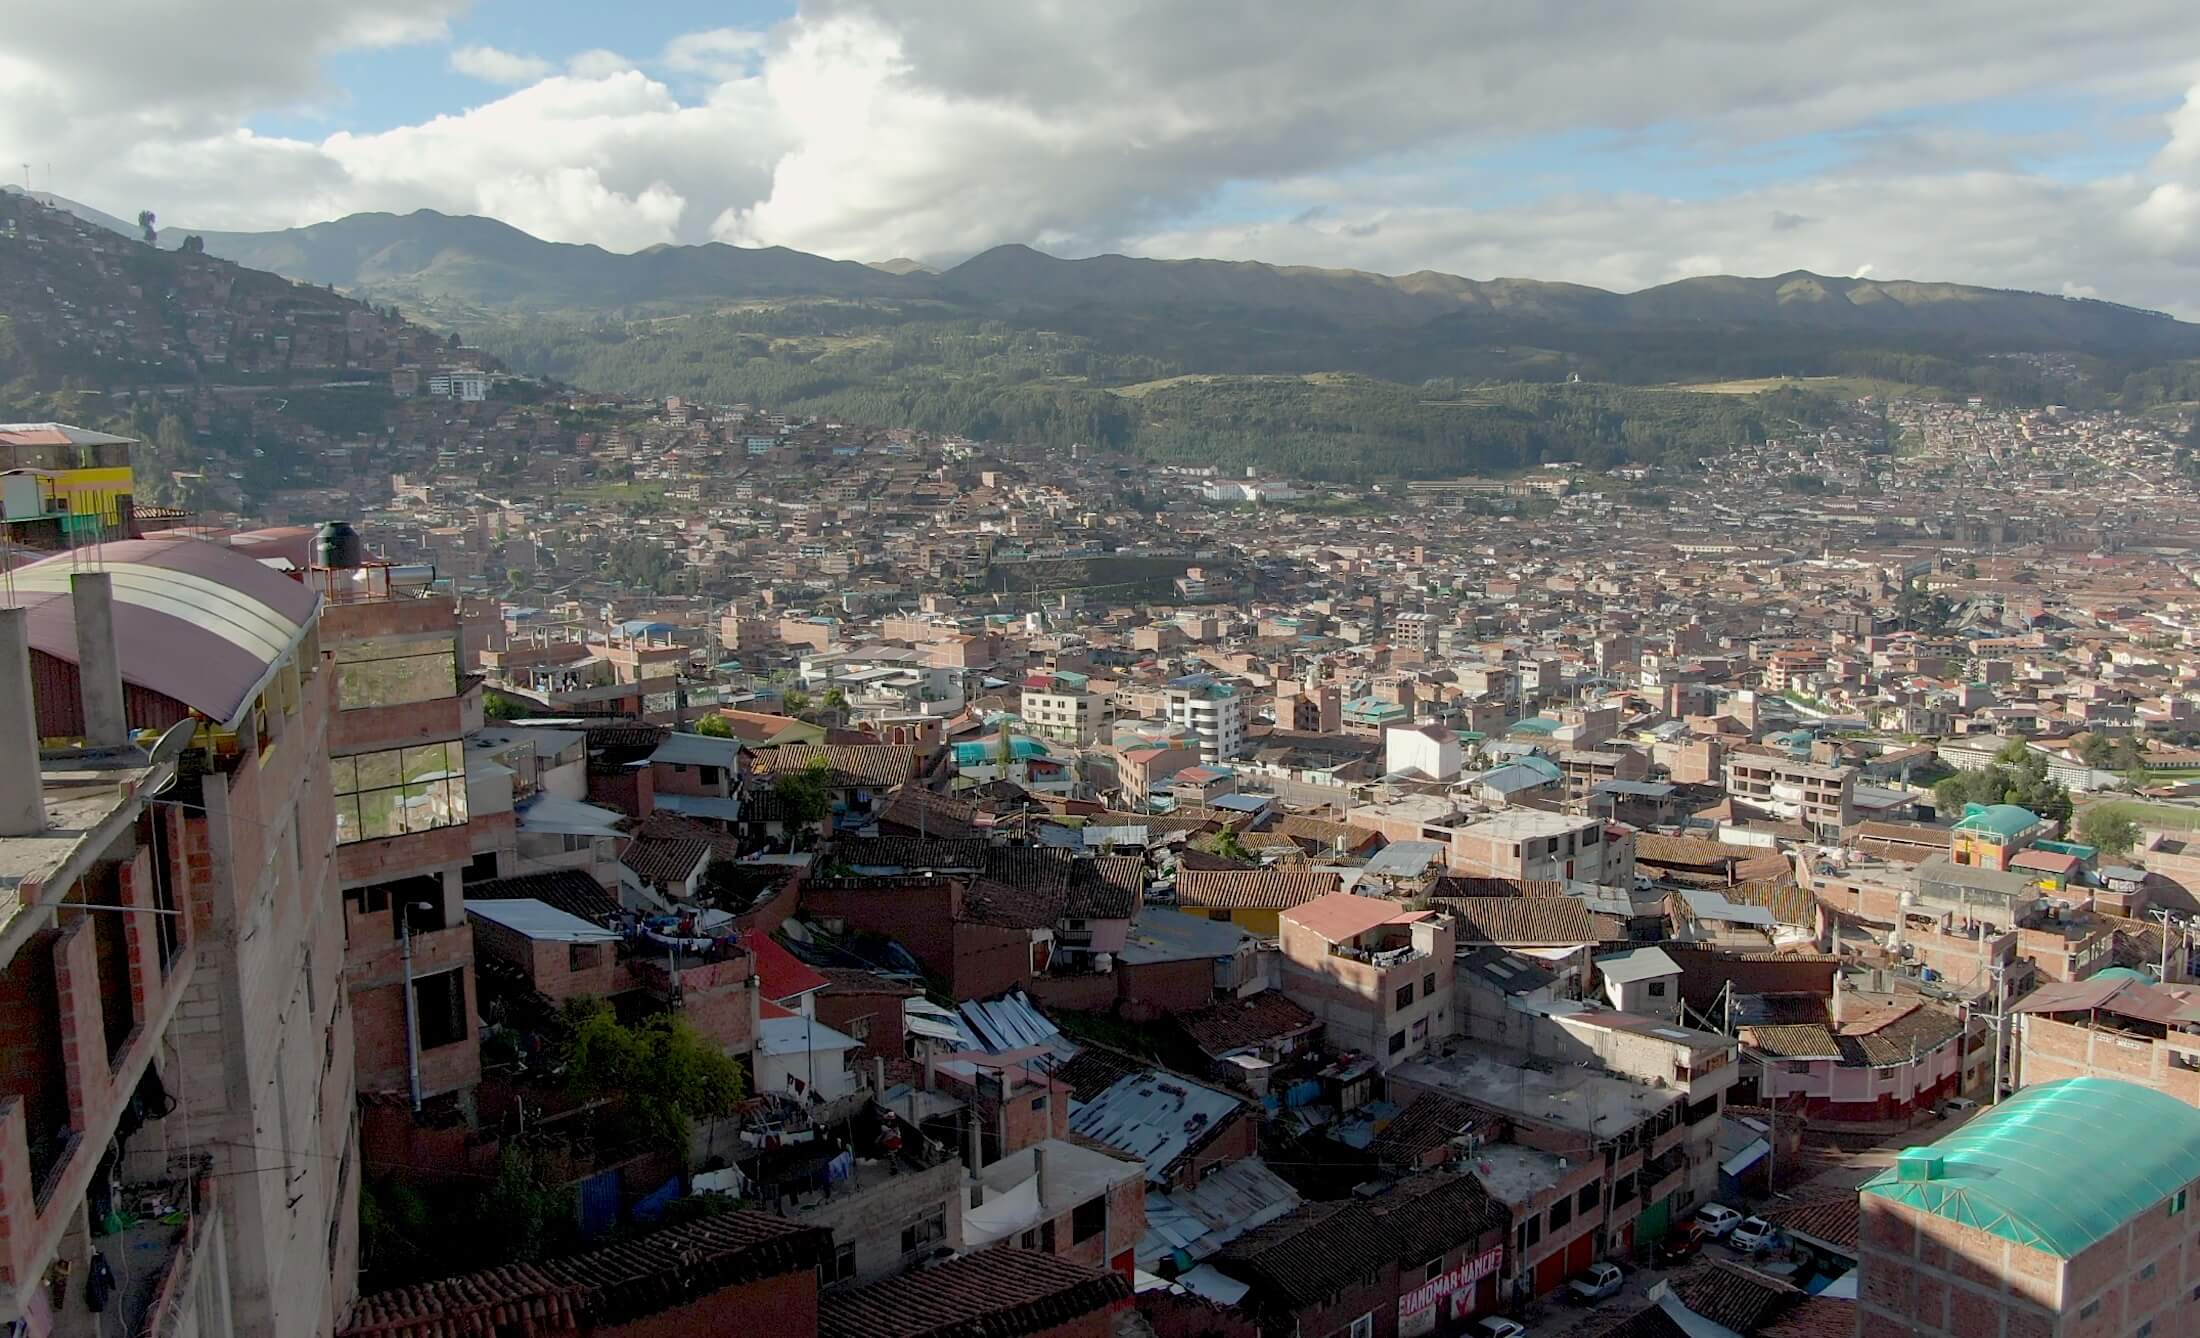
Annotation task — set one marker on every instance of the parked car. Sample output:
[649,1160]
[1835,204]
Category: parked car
[1679,1248]
[1754,1234]
[1497,1326]
[1595,1283]
[1957,1106]
[1717,1221]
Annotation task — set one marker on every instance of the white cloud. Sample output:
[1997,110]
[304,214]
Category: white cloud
[717,52]
[598,64]
[1288,130]
[492,65]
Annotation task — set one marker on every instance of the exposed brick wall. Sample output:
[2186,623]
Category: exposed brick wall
[885,1037]
[918,915]
[1091,993]
[989,960]
[1174,1316]
[407,856]
[372,728]
[771,914]
[1239,1139]
[1163,988]
[718,1000]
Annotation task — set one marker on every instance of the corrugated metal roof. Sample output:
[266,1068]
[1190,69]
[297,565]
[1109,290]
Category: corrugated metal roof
[194,621]
[540,920]
[2055,1167]
[1154,1117]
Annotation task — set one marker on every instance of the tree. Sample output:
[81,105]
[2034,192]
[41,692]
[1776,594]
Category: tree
[2105,827]
[795,702]
[807,793]
[1228,846]
[2095,750]
[145,227]
[500,707]
[662,1070]
[714,726]
[194,244]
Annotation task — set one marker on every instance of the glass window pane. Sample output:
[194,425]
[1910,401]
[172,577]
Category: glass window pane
[347,819]
[380,770]
[343,775]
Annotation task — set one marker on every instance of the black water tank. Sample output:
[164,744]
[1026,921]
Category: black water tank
[338,545]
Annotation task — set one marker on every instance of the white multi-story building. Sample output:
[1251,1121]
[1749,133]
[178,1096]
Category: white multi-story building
[1213,713]
[1066,714]
[1431,750]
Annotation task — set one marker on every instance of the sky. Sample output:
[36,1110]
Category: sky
[1623,143]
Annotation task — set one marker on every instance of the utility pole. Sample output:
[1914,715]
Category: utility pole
[2163,914]
[2000,970]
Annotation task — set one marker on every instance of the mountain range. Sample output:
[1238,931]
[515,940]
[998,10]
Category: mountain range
[460,268]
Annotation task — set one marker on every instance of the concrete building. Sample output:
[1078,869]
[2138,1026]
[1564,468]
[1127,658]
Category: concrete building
[407,830]
[1062,708]
[1213,714]
[1429,751]
[1821,798]
[206,989]
[1377,975]
[2064,1210]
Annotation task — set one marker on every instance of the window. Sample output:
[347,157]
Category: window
[2090,1308]
[1364,1326]
[1586,1200]
[1562,1212]
[439,1003]
[2146,1273]
[841,1267]
[394,670]
[1088,1219]
[1428,984]
[583,956]
[1535,1231]
[2177,1203]
[1397,1041]
[1799,1066]
[2145,1330]
[1657,989]
[399,790]
[925,1234]
[1405,995]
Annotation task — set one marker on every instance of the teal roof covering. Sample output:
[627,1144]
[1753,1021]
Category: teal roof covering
[1535,724]
[1541,766]
[2055,1167]
[2006,821]
[2122,973]
[978,754]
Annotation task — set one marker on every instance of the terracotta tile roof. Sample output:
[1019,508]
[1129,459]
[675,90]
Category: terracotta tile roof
[996,1293]
[613,1285]
[1522,921]
[569,890]
[1649,1322]
[1096,1068]
[931,813]
[1832,1219]
[1235,1024]
[1815,1317]
[1431,1213]
[1690,852]
[1894,1039]
[675,827]
[1269,889]
[908,852]
[1306,1256]
[1729,1294]
[1789,904]
[1431,1121]
[662,860]
[1025,888]
[881,765]
[1320,833]
[1793,1040]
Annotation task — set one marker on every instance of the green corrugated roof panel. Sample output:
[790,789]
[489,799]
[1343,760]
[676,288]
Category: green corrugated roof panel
[2055,1167]
[2007,821]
